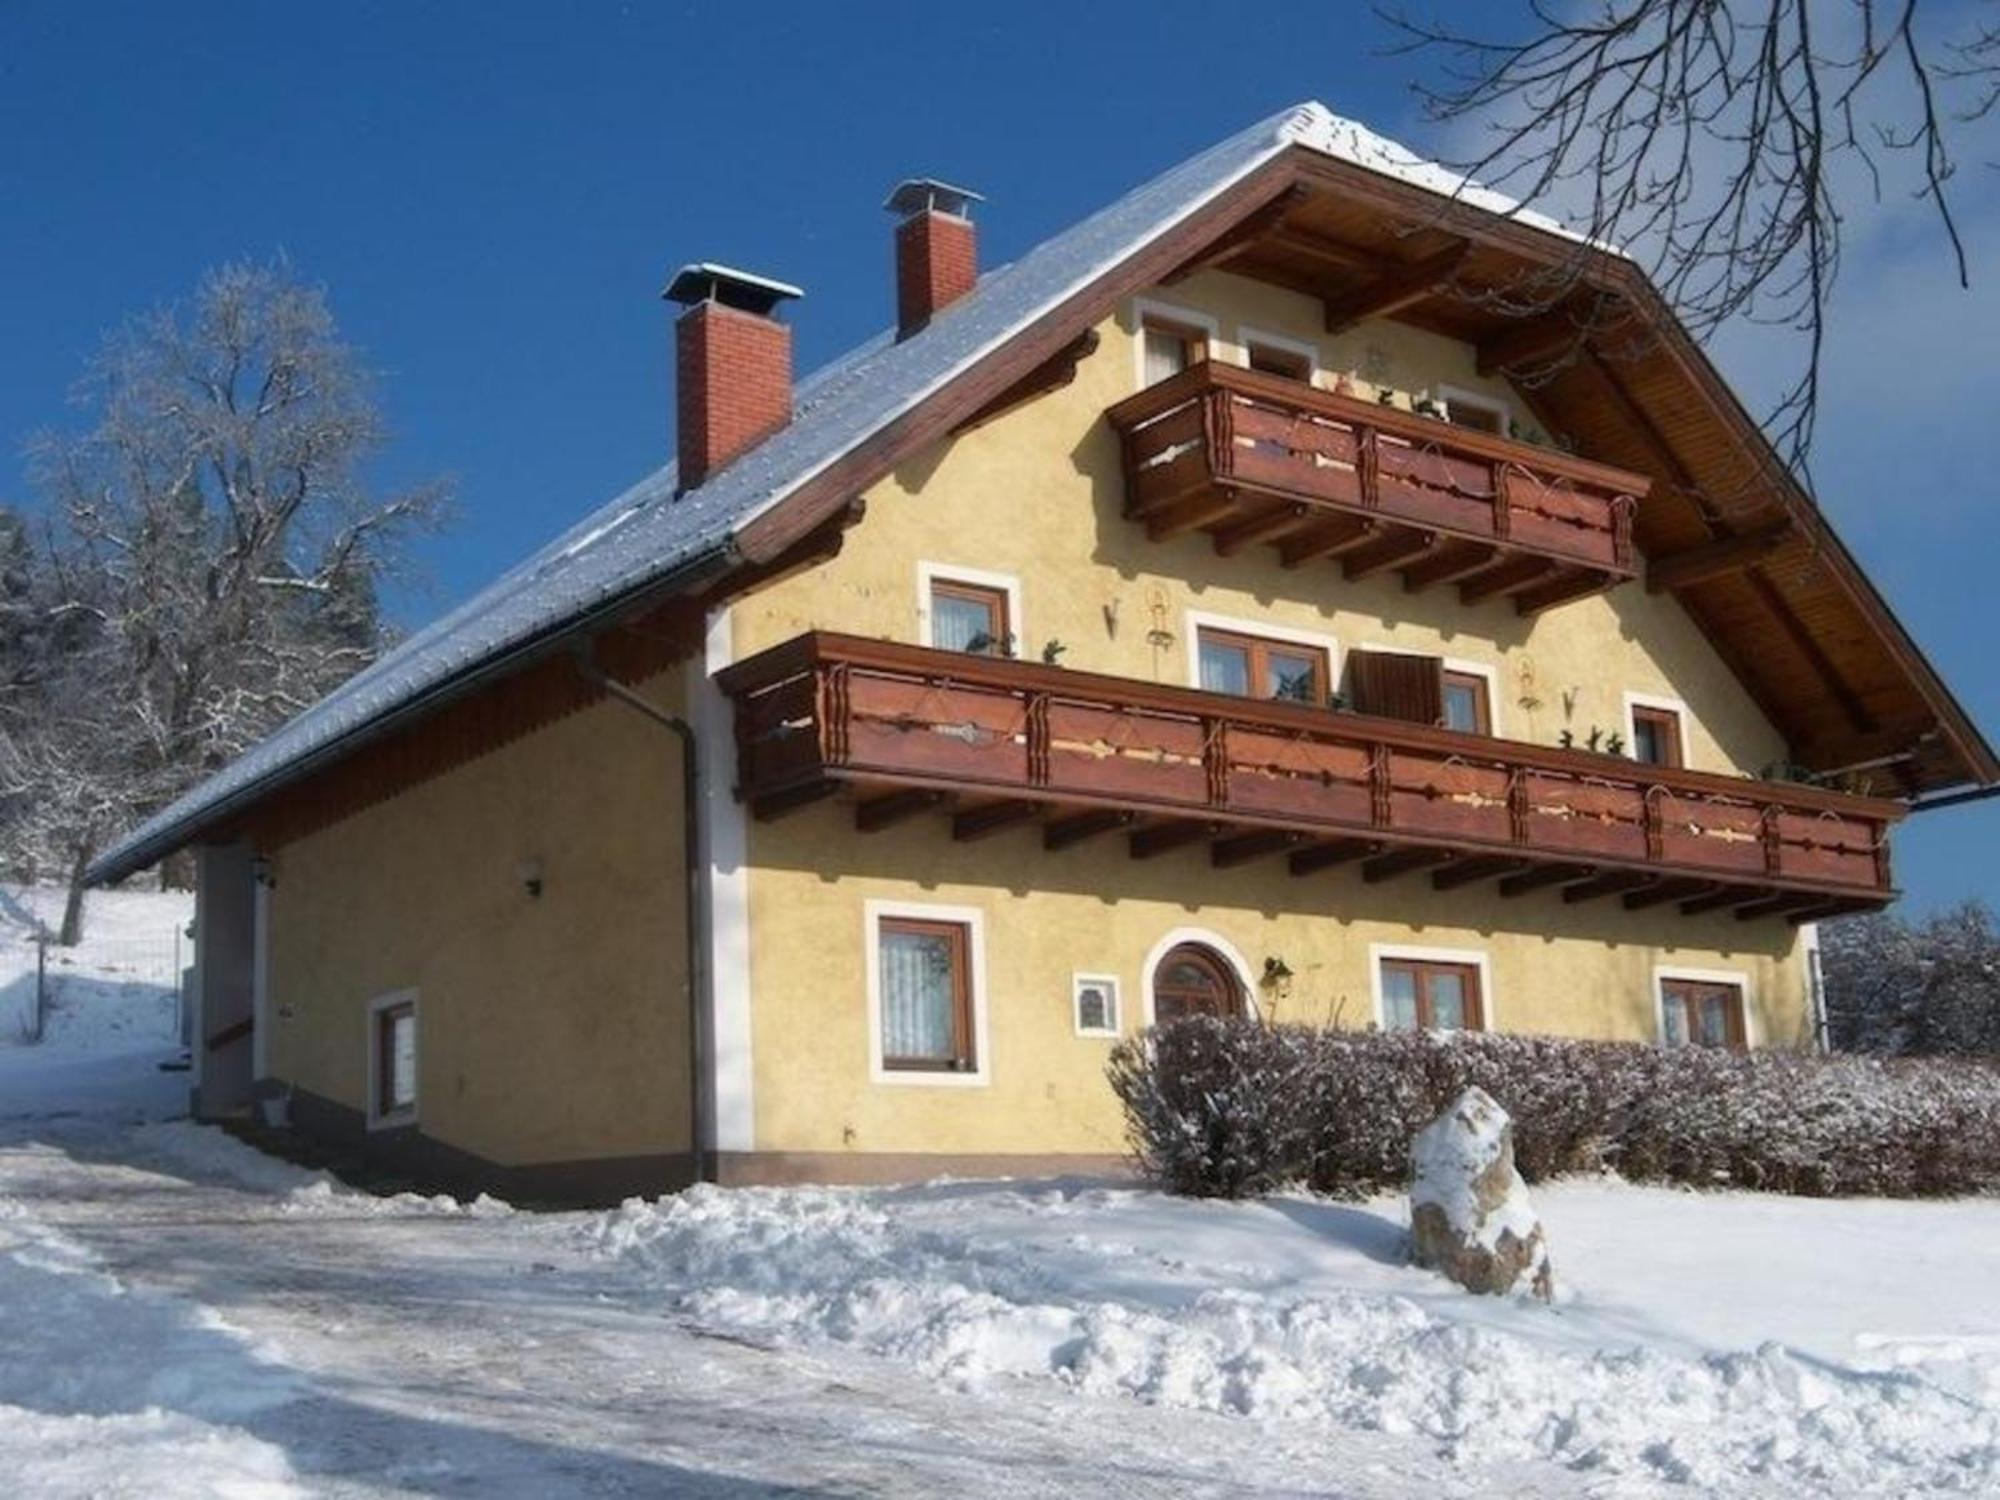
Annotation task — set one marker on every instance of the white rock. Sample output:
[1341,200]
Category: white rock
[1469,1211]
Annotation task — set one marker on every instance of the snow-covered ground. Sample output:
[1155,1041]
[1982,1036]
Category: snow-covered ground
[181,1316]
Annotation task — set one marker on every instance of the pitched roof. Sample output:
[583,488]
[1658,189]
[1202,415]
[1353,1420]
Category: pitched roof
[648,540]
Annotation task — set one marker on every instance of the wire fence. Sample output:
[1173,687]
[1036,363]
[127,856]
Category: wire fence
[110,989]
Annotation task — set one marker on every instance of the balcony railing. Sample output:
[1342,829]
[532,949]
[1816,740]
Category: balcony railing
[999,743]
[1253,458]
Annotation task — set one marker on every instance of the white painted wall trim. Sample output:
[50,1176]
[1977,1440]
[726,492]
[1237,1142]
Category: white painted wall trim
[975,924]
[1110,984]
[377,1120]
[1192,621]
[1474,958]
[1672,706]
[1458,664]
[1169,312]
[1740,978]
[1202,935]
[730,1093]
[1246,336]
[929,572]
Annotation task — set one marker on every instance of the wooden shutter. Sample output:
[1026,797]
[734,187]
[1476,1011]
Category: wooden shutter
[1396,686]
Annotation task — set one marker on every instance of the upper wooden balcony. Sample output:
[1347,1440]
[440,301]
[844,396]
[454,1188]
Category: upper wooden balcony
[999,743]
[1249,457]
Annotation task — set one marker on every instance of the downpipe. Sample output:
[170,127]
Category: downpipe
[696,916]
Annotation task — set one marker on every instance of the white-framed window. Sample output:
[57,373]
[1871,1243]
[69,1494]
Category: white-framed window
[1094,1004]
[1702,1007]
[1257,659]
[1656,729]
[1431,989]
[926,977]
[392,1059]
[1464,702]
[1167,340]
[968,609]
[1194,969]
[1479,412]
[1275,354]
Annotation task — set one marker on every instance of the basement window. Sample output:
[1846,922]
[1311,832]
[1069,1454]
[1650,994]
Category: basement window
[392,1059]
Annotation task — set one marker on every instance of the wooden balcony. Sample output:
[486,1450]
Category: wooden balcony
[1251,458]
[999,744]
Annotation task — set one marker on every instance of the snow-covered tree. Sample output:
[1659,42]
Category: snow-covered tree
[210,566]
[1931,987]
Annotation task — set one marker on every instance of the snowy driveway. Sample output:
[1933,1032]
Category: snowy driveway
[178,1321]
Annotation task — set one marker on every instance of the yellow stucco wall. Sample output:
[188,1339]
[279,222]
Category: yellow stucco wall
[1037,495]
[550,1029]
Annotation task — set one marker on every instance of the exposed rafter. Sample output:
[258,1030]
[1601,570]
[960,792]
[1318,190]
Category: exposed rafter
[1729,554]
[1266,223]
[1268,527]
[1052,374]
[1395,290]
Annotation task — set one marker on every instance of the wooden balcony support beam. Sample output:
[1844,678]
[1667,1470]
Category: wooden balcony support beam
[1543,876]
[1827,910]
[1148,843]
[1268,527]
[1328,539]
[1242,848]
[1731,554]
[981,822]
[1333,254]
[768,806]
[885,811]
[1808,646]
[1052,374]
[1779,904]
[1473,869]
[1506,577]
[1572,583]
[1061,833]
[1324,856]
[1396,548]
[1663,891]
[1394,862]
[1610,883]
[1243,237]
[1202,508]
[1396,289]
[1449,564]
[1719,900]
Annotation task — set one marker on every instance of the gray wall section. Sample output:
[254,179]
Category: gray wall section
[225,966]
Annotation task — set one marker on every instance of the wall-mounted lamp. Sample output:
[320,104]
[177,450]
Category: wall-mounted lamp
[1277,977]
[529,873]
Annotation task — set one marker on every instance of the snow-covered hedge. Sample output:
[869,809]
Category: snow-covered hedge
[1235,1108]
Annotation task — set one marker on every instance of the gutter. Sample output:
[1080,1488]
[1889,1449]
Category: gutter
[1954,799]
[126,860]
[697,901]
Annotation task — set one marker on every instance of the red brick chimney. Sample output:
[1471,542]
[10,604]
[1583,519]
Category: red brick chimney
[732,365]
[937,249]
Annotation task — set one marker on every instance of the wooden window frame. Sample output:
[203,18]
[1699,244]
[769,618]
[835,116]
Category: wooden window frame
[1482,691]
[1664,712]
[1470,963]
[1257,647]
[1112,991]
[383,1012]
[1300,358]
[967,925]
[1198,331]
[1208,956]
[995,600]
[952,580]
[1666,982]
[1457,401]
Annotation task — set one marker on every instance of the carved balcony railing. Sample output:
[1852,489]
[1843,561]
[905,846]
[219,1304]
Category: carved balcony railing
[1252,458]
[998,743]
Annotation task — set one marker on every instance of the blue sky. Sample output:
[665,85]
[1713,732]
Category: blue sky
[494,194]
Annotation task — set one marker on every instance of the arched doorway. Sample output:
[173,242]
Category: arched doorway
[1192,979]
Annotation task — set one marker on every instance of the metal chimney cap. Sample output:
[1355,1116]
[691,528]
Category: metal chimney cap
[706,281]
[915,195]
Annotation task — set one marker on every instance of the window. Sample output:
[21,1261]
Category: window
[1169,347]
[1468,704]
[1253,666]
[970,617]
[392,1059]
[1429,995]
[1656,735]
[1292,364]
[925,984]
[1701,1013]
[1477,415]
[1095,998]
[1194,980]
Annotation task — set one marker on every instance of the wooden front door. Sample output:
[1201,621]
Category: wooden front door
[1193,980]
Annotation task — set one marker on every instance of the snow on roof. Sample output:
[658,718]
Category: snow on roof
[647,536]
